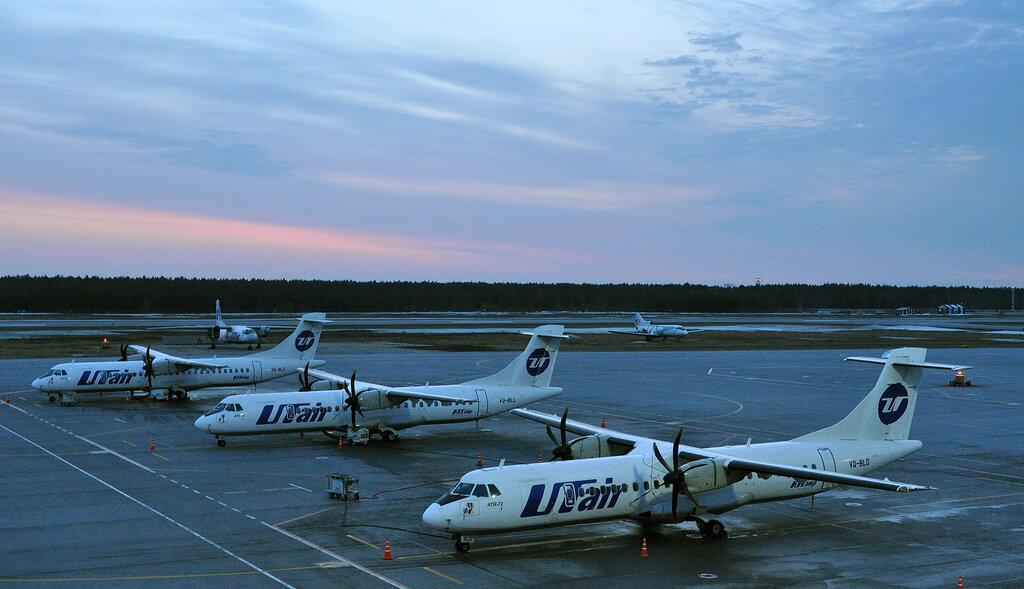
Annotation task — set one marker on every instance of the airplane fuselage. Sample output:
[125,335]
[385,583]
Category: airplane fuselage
[630,486]
[109,376]
[323,410]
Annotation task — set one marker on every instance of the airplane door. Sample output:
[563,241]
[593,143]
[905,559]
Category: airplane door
[828,462]
[257,371]
[481,397]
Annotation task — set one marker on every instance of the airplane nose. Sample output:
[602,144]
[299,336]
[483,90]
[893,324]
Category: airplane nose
[201,422]
[38,383]
[433,517]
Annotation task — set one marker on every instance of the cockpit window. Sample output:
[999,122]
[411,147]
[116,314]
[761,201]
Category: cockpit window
[481,491]
[461,491]
[220,407]
[50,372]
[494,491]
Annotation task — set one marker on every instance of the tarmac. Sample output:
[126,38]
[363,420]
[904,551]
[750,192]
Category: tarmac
[115,493]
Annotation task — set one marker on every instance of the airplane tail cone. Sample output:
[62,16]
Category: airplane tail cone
[387,549]
[152,444]
[643,549]
[479,459]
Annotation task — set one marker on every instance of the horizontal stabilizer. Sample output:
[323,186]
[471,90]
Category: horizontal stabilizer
[907,364]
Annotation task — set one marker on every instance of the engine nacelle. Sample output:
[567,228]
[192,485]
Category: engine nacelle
[708,474]
[370,399]
[595,446]
[162,366]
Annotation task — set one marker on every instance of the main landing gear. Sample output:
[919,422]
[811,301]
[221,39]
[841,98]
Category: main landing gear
[712,529]
[221,442]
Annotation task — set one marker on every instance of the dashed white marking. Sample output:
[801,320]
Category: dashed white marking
[298,487]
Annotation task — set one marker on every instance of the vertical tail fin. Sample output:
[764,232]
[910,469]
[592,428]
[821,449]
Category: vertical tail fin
[639,323]
[219,322]
[534,366]
[888,410]
[302,343]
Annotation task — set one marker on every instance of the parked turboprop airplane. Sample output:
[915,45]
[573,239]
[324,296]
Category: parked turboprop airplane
[612,475]
[322,406]
[165,376]
[649,330]
[236,334]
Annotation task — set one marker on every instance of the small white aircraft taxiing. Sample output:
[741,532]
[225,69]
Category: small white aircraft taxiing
[648,330]
[169,377]
[611,475]
[236,334]
[356,411]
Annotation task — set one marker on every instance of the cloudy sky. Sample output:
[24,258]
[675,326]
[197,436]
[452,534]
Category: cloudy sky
[710,142]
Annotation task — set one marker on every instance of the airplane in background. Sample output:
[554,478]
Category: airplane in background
[607,475]
[169,377]
[648,330]
[338,404]
[236,334]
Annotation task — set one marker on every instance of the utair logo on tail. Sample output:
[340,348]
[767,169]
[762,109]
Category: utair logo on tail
[893,403]
[538,362]
[304,340]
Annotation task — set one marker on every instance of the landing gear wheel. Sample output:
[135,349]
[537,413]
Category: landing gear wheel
[462,546]
[52,398]
[715,530]
[389,436]
[222,442]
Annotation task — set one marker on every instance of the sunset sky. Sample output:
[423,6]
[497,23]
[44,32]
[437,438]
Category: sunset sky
[709,142]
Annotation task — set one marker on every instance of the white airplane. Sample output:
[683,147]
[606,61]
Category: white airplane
[167,377]
[612,475]
[236,334]
[333,403]
[649,330]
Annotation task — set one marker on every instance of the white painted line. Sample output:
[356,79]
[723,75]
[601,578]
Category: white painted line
[250,517]
[154,511]
[298,487]
[338,557]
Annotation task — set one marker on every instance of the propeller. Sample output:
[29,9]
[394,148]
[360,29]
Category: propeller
[674,476]
[304,379]
[352,401]
[124,352]
[147,368]
[562,451]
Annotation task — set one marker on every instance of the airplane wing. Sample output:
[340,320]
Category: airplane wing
[631,332]
[397,395]
[883,360]
[179,364]
[763,469]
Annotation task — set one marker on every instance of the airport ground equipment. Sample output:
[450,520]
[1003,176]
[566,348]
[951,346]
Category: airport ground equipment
[339,486]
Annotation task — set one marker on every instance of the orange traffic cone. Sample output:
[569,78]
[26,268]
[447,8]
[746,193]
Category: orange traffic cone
[339,444]
[643,549]
[8,398]
[387,549]
[602,421]
[540,458]
[479,459]
[152,444]
[300,434]
[960,582]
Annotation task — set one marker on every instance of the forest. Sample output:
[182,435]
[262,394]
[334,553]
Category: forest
[66,294]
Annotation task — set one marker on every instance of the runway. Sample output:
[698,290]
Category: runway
[86,502]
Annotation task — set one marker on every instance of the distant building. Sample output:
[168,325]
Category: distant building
[906,311]
[951,309]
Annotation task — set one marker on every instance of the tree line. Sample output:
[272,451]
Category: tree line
[68,294]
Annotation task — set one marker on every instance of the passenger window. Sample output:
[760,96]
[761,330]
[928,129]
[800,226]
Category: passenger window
[647,486]
[494,491]
[657,484]
[636,487]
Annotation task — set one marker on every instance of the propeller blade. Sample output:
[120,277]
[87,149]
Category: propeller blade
[304,379]
[551,434]
[661,459]
[124,352]
[565,414]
